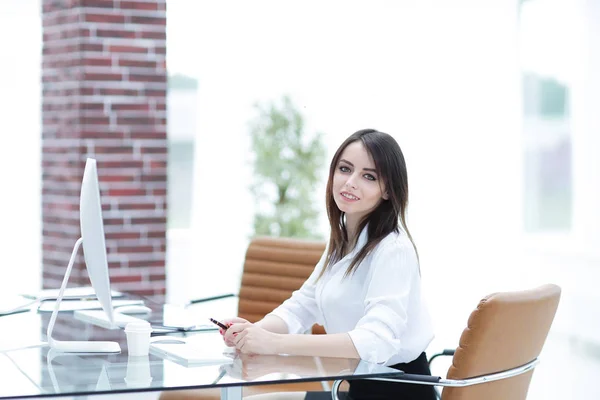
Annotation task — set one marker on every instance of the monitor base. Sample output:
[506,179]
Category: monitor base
[75,346]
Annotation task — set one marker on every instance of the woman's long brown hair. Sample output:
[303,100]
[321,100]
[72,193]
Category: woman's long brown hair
[385,219]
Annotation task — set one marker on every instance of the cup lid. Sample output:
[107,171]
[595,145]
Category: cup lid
[138,326]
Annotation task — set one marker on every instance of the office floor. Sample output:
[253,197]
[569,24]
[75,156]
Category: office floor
[568,370]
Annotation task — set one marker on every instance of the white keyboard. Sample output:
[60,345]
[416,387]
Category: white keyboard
[98,317]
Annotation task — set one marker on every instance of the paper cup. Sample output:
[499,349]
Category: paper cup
[138,338]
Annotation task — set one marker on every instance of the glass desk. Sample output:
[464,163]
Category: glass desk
[30,369]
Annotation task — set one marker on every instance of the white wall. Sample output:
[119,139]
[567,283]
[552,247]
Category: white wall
[20,173]
[443,79]
[586,125]
[572,259]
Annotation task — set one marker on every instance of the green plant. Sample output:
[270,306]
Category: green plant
[287,164]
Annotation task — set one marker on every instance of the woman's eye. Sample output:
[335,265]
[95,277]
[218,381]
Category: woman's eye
[344,169]
[370,177]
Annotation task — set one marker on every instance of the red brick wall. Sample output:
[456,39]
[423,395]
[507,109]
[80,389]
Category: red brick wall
[104,96]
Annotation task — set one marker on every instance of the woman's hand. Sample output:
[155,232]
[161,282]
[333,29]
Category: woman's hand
[251,339]
[228,322]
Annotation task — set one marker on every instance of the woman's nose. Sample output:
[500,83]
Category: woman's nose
[350,183]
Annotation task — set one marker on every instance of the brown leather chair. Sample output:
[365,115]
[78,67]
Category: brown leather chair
[273,269]
[498,349]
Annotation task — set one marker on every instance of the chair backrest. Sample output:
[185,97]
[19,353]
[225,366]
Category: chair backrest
[506,330]
[273,269]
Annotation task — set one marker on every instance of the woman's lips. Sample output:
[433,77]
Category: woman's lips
[349,197]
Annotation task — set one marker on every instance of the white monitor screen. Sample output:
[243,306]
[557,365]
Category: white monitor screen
[92,233]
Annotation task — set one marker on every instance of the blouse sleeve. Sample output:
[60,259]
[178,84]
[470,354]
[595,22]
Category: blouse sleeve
[393,271]
[300,312]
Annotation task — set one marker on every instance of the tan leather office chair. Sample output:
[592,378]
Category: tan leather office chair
[273,269]
[498,349]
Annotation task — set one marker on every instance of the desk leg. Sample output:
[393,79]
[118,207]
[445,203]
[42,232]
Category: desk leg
[231,393]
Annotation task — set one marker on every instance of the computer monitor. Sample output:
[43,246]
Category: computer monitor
[94,252]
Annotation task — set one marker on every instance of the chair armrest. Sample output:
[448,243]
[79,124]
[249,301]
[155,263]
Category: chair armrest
[211,298]
[445,352]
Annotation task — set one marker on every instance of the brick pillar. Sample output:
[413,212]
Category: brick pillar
[104,96]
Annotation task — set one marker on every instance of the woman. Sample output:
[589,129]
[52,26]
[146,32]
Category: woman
[366,289]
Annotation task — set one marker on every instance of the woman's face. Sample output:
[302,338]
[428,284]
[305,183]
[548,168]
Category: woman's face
[357,190]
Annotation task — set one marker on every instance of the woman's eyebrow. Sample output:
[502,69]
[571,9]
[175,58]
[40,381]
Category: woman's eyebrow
[364,169]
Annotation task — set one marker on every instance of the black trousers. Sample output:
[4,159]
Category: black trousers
[365,389]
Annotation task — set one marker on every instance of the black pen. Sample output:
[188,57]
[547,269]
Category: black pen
[219,324]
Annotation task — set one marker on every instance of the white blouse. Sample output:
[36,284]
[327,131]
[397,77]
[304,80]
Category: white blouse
[379,306]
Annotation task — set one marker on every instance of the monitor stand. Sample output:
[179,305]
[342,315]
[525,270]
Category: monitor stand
[75,346]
